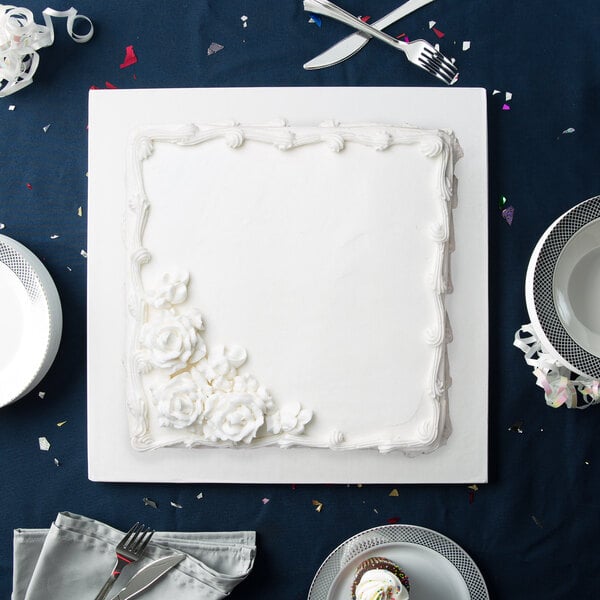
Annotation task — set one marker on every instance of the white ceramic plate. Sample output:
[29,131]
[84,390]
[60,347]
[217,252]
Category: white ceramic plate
[436,566]
[563,285]
[30,320]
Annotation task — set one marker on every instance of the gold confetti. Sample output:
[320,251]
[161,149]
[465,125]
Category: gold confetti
[394,493]
[61,423]
[474,487]
[80,212]
[318,505]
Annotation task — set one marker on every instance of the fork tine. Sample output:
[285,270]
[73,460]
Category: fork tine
[130,534]
[142,540]
[436,73]
[440,60]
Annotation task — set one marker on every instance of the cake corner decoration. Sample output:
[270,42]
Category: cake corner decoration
[185,391]
[379,578]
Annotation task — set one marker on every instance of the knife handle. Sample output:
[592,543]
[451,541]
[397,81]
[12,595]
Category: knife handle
[400,12]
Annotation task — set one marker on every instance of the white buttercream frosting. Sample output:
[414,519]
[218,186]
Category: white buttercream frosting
[204,391]
[380,584]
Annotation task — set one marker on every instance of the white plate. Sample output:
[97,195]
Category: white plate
[436,566]
[115,115]
[30,320]
[563,285]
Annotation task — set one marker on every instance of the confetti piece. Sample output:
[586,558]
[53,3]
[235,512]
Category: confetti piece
[365,19]
[508,96]
[318,505]
[266,500]
[200,496]
[569,130]
[244,20]
[2,225]
[508,214]
[79,212]
[316,20]
[466,46]
[29,186]
[44,444]
[431,24]
[149,502]
[505,107]
[495,92]
[42,395]
[61,423]
[439,33]
[393,520]
[516,427]
[46,127]
[130,57]
[175,505]
[54,236]
[537,521]
[394,493]
[12,107]
[109,85]
[57,462]
[84,254]
[502,202]
[69,269]
[474,487]
[375,510]
[214,48]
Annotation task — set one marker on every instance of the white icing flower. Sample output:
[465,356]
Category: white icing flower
[380,584]
[171,290]
[145,147]
[233,416]
[223,361]
[172,341]
[431,146]
[179,402]
[290,418]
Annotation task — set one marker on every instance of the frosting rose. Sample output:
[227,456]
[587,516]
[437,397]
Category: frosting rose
[233,416]
[172,290]
[178,402]
[379,584]
[172,341]
[290,418]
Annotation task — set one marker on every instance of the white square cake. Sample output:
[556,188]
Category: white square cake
[286,286]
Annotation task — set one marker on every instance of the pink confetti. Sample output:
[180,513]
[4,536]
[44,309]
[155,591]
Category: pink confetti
[130,57]
[109,85]
[365,19]
[508,213]
[266,500]
[393,520]
[505,107]
[29,186]
[439,33]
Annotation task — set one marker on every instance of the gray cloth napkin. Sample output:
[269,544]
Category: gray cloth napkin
[73,559]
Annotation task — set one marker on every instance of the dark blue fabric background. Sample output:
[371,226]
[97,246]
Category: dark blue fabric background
[534,529]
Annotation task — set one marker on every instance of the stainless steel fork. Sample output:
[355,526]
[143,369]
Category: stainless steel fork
[128,550]
[419,52]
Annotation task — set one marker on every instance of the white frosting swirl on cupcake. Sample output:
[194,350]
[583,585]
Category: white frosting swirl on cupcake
[380,584]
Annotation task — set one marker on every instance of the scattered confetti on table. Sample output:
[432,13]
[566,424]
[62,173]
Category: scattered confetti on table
[537,521]
[393,520]
[569,130]
[149,502]
[130,57]
[316,20]
[394,493]
[214,48]
[508,214]
[2,226]
[46,127]
[244,20]
[200,496]
[12,107]
[516,427]
[175,505]
[44,444]
[57,462]
[54,236]
[80,212]
[61,423]
[28,186]
[466,46]
[266,500]
[109,85]
[84,254]
[42,395]
[318,505]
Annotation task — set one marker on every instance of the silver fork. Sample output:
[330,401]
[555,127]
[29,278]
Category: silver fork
[419,52]
[128,550]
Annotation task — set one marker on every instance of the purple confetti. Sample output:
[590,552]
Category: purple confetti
[508,213]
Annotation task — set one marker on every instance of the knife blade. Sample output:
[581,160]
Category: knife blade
[351,44]
[149,575]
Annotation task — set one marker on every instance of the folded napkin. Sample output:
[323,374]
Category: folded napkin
[73,559]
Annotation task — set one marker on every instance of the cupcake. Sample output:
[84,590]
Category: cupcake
[379,578]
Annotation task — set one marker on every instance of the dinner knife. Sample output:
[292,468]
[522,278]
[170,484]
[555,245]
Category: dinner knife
[149,575]
[350,45]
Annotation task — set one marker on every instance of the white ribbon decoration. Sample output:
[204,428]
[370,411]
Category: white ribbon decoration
[554,377]
[21,37]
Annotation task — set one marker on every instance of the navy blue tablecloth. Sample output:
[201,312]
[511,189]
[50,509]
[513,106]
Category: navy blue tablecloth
[534,528]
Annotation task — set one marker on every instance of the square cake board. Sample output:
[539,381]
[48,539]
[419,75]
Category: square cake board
[114,115]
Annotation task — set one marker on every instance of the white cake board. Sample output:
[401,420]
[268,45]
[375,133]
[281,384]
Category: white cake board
[114,114]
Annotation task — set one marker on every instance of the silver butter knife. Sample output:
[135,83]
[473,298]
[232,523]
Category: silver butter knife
[350,45]
[149,575]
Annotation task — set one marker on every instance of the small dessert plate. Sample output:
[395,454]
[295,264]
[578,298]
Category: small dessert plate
[562,288]
[30,320]
[435,565]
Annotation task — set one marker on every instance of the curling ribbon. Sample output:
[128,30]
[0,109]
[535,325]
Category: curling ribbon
[554,377]
[21,37]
